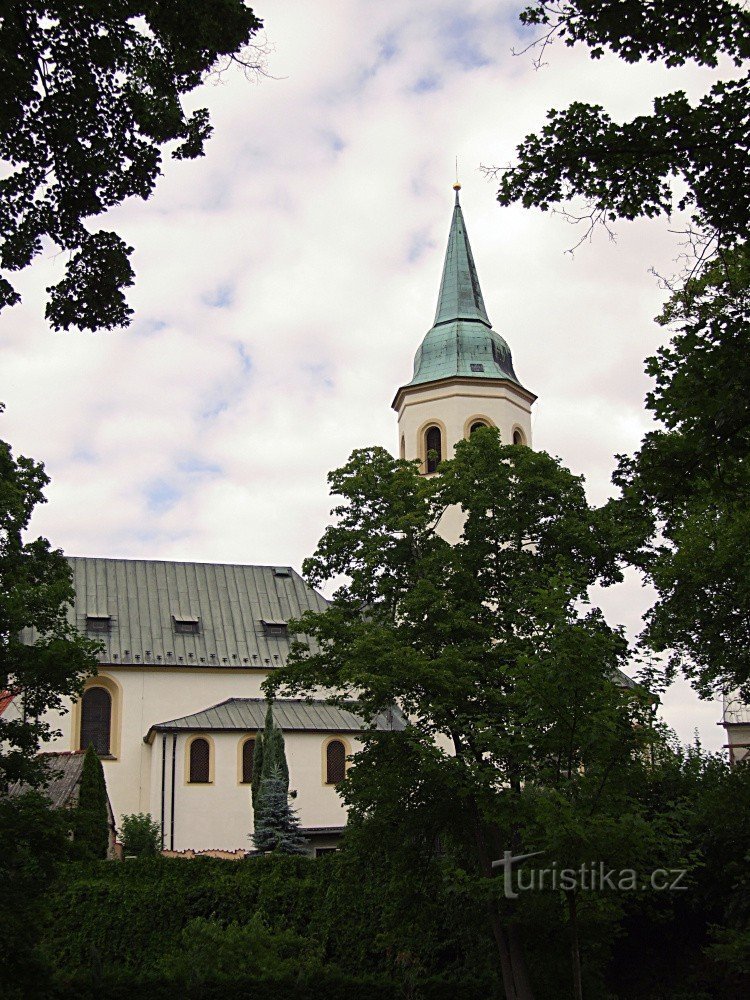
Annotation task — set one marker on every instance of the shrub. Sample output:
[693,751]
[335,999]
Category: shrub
[141,836]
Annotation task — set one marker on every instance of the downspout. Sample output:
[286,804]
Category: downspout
[174,758]
[163,782]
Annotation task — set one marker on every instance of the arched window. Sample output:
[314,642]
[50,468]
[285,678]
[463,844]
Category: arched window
[248,752]
[518,437]
[433,448]
[335,762]
[96,720]
[402,452]
[477,425]
[200,762]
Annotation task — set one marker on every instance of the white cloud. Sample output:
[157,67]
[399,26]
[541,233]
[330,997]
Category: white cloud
[285,280]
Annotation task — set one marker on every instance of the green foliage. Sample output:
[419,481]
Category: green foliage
[691,477]
[32,843]
[91,818]
[276,826]
[276,823]
[626,170]
[491,648]
[91,95]
[209,951]
[274,925]
[140,835]
[36,590]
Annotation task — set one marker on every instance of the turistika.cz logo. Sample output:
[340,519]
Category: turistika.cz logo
[593,876]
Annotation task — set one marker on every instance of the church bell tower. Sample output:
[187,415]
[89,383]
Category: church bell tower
[463,371]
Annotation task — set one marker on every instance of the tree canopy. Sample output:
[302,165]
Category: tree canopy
[511,680]
[43,658]
[688,480]
[690,477]
[91,95]
[626,170]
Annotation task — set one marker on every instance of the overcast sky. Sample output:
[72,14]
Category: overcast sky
[285,280]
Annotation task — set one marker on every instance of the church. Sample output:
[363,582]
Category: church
[177,703]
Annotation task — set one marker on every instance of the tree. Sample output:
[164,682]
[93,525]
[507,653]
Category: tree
[141,836]
[511,680]
[626,170]
[92,95]
[32,843]
[43,659]
[91,817]
[688,479]
[691,478]
[276,826]
[276,823]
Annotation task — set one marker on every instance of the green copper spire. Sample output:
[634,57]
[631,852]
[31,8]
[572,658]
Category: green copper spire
[460,295]
[461,342]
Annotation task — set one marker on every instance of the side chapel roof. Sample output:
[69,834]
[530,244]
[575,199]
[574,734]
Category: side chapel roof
[290,714]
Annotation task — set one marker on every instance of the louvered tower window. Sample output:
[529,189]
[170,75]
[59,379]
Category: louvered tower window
[477,426]
[248,752]
[200,761]
[433,448]
[518,437]
[96,720]
[335,762]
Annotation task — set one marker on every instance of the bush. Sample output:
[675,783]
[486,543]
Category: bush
[141,836]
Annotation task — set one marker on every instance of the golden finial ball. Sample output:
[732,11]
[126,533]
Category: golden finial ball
[456,186]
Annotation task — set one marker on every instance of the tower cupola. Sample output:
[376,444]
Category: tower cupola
[461,341]
[463,370]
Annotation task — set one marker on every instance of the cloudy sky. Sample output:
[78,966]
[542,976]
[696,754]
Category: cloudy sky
[285,280]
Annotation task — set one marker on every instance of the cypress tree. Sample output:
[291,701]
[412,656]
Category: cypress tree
[91,820]
[276,823]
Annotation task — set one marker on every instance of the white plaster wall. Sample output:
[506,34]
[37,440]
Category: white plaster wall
[149,696]
[452,406]
[215,816]
[738,737]
[218,816]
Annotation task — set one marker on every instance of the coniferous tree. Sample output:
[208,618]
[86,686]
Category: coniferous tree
[91,821]
[276,823]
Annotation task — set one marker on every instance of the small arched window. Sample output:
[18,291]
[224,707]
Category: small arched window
[476,426]
[433,448]
[200,762]
[248,752]
[518,437]
[402,452]
[96,720]
[335,762]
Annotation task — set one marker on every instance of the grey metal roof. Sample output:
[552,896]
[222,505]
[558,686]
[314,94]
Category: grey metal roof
[143,599]
[291,715]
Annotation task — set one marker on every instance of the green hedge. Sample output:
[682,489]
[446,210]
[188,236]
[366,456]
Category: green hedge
[324,988]
[269,927]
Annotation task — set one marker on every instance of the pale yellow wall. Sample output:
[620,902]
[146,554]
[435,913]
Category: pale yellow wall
[206,816]
[149,696]
[454,407]
[219,816]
